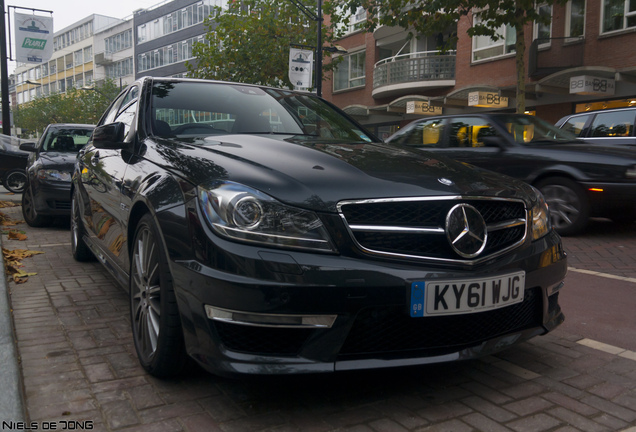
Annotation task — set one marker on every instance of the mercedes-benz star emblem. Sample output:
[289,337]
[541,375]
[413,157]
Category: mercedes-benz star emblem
[466,230]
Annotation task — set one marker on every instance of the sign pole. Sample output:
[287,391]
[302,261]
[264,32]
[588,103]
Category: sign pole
[4,75]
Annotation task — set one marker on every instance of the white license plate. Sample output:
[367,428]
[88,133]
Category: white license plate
[462,296]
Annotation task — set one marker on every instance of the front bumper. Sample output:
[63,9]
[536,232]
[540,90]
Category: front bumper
[369,298]
[52,199]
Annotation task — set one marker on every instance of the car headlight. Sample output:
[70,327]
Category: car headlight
[631,172]
[51,174]
[245,214]
[541,224]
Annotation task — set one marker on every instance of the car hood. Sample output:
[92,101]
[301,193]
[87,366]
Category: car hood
[317,175]
[57,160]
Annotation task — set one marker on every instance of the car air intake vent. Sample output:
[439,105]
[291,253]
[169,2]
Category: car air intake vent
[423,228]
[390,329]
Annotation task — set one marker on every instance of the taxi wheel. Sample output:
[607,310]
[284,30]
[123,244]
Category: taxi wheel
[155,320]
[568,204]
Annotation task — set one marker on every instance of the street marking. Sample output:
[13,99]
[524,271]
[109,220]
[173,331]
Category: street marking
[610,349]
[605,275]
[515,370]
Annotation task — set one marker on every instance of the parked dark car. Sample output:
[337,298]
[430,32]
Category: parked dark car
[578,180]
[262,231]
[610,126]
[47,192]
[12,164]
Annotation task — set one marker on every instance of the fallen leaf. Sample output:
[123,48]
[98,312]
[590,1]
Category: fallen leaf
[12,263]
[17,235]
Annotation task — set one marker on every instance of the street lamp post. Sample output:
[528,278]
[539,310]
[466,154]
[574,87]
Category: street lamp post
[318,18]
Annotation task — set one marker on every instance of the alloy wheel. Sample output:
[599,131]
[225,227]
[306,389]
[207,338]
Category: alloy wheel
[146,293]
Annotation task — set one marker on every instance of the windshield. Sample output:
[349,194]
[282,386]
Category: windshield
[526,129]
[182,109]
[66,140]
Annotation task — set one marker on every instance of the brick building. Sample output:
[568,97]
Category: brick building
[584,60]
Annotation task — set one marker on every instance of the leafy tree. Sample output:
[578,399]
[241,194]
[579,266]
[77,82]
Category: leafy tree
[74,106]
[249,42]
[429,17]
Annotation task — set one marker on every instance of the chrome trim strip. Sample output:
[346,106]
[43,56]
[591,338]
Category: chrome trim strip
[380,228]
[505,224]
[269,320]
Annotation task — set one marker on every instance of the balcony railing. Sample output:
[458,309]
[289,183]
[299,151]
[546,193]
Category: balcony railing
[548,56]
[412,67]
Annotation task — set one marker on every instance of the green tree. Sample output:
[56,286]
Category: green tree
[249,42]
[429,17]
[77,105]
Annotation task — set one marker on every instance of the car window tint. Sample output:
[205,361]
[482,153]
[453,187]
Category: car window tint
[469,132]
[195,109]
[66,140]
[109,117]
[426,133]
[613,124]
[127,116]
[576,124]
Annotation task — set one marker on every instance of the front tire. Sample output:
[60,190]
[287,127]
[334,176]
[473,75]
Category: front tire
[154,313]
[15,180]
[79,249]
[568,204]
[29,213]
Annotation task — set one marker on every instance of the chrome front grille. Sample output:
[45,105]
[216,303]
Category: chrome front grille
[416,227]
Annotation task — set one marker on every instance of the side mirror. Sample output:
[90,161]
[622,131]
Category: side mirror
[494,141]
[28,146]
[110,136]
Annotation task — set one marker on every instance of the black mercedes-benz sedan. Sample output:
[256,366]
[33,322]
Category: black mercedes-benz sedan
[262,231]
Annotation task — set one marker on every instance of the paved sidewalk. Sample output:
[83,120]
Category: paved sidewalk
[78,366]
[11,398]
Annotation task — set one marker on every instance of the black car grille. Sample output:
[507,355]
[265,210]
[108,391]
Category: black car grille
[376,226]
[59,205]
[390,329]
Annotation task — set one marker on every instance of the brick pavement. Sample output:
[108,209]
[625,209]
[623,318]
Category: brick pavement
[78,364]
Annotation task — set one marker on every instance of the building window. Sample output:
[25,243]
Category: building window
[178,20]
[78,57]
[575,18]
[618,15]
[350,72]
[484,47]
[544,31]
[169,54]
[118,42]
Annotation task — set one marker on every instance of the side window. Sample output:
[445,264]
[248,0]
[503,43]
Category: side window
[613,124]
[121,101]
[127,117]
[469,132]
[112,112]
[426,133]
[576,125]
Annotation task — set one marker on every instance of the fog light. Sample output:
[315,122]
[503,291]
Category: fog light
[270,320]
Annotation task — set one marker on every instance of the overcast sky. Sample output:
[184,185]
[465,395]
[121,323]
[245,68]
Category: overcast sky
[68,12]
